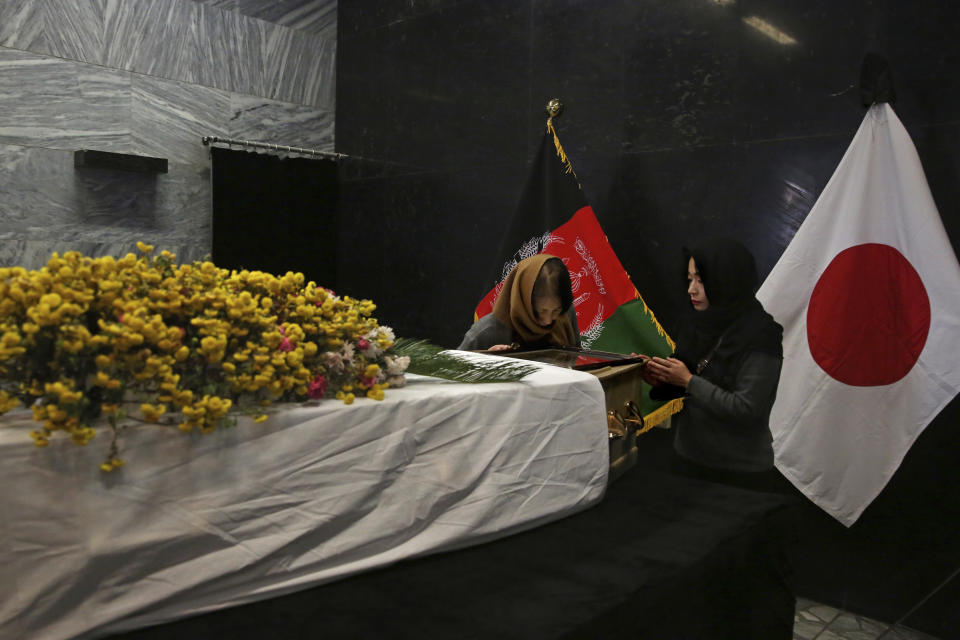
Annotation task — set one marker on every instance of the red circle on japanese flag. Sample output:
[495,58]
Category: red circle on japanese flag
[869,316]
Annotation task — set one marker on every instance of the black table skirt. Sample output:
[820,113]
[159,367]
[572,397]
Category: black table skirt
[660,557]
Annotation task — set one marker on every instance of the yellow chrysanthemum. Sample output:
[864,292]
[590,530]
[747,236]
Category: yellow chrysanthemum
[7,402]
[152,412]
[191,339]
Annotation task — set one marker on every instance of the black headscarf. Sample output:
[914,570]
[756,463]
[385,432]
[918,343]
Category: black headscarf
[729,276]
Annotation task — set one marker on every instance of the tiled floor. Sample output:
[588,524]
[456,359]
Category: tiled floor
[814,621]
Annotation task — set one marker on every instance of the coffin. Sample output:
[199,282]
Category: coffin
[620,378]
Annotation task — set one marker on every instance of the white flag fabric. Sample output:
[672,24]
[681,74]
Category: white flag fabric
[868,293]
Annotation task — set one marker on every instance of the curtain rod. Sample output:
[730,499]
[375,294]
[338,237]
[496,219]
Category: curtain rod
[208,140]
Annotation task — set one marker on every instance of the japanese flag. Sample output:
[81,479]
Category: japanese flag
[868,293]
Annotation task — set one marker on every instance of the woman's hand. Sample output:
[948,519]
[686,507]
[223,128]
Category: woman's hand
[500,347]
[667,371]
[646,373]
[648,376]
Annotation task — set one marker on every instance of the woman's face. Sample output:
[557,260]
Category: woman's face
[698,295]
[546,310]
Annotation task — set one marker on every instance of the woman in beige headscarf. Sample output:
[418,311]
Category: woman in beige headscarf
[534,310]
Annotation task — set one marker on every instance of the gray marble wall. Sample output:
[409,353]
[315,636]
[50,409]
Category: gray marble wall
[148,77]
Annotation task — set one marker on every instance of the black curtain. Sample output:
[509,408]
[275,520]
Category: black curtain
[275,214]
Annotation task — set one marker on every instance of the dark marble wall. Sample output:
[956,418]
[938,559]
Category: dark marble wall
[149,77]
[682,120]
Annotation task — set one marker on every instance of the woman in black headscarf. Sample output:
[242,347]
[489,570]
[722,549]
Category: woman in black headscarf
[727,367]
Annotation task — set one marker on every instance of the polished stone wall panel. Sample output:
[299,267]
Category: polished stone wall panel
[299,67]
[22,25]
[170,118]
[355,17]
[47,205]
[232,47]
[810,87]
[74,30]
[578,56]
[37,192]
[680,64]
[149,77]
[227,5]
[33,251]
[924,58]
[168,210]
[280,123]
[281,50]
[442,85]
[355,169]
[115,200]
[154,37]
[318,17]
[34,90]
[62,104]
[402,224]
[183,209]
[937,147]
[248,55]
[105,109]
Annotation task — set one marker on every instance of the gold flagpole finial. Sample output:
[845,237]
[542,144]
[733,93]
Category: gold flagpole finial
[554,108]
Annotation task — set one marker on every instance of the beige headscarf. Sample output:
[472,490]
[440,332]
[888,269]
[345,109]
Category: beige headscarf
[514,305]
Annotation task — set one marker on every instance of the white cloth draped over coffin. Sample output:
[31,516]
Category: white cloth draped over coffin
[320,491]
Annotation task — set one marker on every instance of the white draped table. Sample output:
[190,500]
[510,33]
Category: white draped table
[319,491]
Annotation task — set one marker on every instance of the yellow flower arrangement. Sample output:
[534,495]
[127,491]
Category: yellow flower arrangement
[87,341]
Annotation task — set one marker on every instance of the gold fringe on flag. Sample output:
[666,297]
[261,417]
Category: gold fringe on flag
[568,168]
[660,330]
[661,414]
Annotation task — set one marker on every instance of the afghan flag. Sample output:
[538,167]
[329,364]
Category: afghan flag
[553,217]
[868,293]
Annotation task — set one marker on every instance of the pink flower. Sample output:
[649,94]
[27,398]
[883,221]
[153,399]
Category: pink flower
[368,382]
[317,388]
[363,344]
[286,345]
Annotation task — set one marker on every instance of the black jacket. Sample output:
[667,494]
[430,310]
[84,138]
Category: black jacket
[724,423]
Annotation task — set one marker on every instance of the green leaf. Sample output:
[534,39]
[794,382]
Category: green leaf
[428,359]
